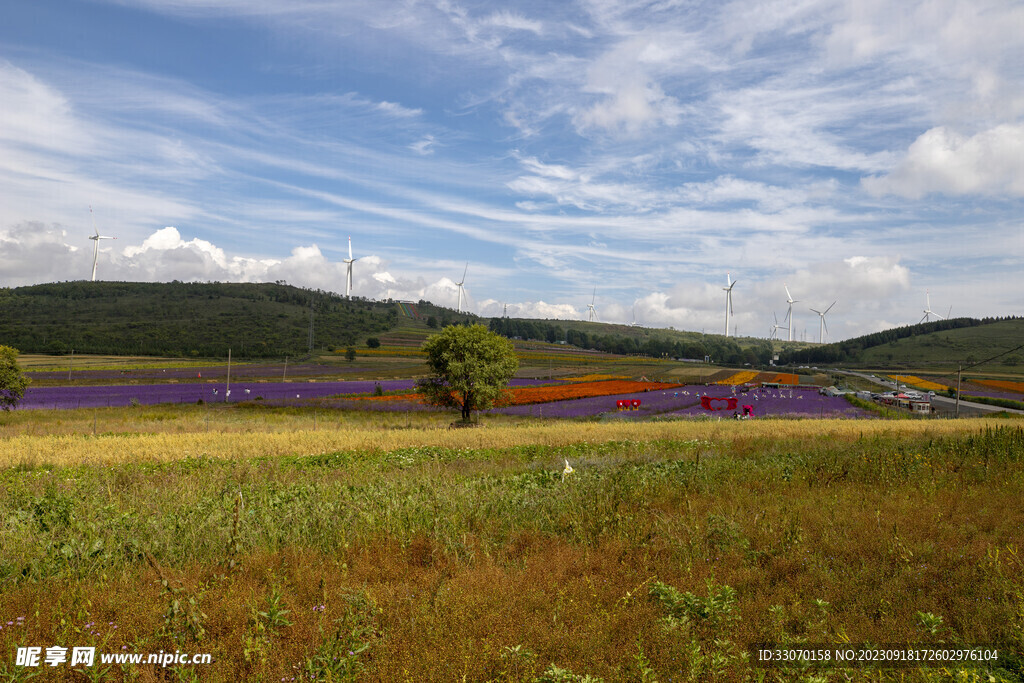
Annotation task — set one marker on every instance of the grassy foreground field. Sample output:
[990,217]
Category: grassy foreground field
[398,551]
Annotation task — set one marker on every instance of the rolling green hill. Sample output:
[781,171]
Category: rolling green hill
[273,320]
[184,319]
[943,345]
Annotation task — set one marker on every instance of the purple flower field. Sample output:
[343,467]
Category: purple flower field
[651,402]
[240,370]
[681,402]
[796,402]
[151,394]
[685,402]
[988,393]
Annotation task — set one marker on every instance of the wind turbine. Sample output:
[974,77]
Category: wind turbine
[775,326]
[728,300]
[789,314]
[591,311]
[822,328]
[96,243]
[348,268]
[460,283]
[928,310]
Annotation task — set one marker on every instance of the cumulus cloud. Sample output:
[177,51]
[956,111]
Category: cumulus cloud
[32,253]
[528,309]
[30,247]
[944,161]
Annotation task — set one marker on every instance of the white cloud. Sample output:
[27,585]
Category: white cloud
[424,146]
[941,160]
[513,21]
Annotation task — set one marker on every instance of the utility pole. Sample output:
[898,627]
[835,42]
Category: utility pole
[71,364]
[958,371]
[311,327]
[227,389]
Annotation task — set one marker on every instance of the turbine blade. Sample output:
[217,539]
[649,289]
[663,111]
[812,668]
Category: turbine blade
[350,248]
[830,307]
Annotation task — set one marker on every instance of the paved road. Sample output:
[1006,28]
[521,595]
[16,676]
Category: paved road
[946,404]
[943,405]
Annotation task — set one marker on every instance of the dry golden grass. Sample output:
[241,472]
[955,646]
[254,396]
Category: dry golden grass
[442,565]
[109,449]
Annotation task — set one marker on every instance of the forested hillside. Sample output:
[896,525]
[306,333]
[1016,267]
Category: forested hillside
[639,341]
[184,319]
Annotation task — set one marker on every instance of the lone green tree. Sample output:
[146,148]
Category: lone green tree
[12,380]
[471,368]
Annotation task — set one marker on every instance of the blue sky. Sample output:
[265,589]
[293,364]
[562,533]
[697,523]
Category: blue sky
[862,151]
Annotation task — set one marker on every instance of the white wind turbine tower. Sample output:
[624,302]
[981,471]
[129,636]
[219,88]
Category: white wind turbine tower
[728,300]
[928,310]
[348,269]
[591,311]
[775,326]
[789,314]
[822,327]
[96,243]
[460,283]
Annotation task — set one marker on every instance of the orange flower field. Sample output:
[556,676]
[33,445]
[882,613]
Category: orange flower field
[1017,387]
[519,396]
[739,377]
[747,376]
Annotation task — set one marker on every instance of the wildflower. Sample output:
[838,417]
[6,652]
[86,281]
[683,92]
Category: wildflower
[568,470]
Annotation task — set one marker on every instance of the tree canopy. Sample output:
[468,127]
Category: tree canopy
[471,368]
[12,380]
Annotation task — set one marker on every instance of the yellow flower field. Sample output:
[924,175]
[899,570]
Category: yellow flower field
[593,377]
[919,382]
